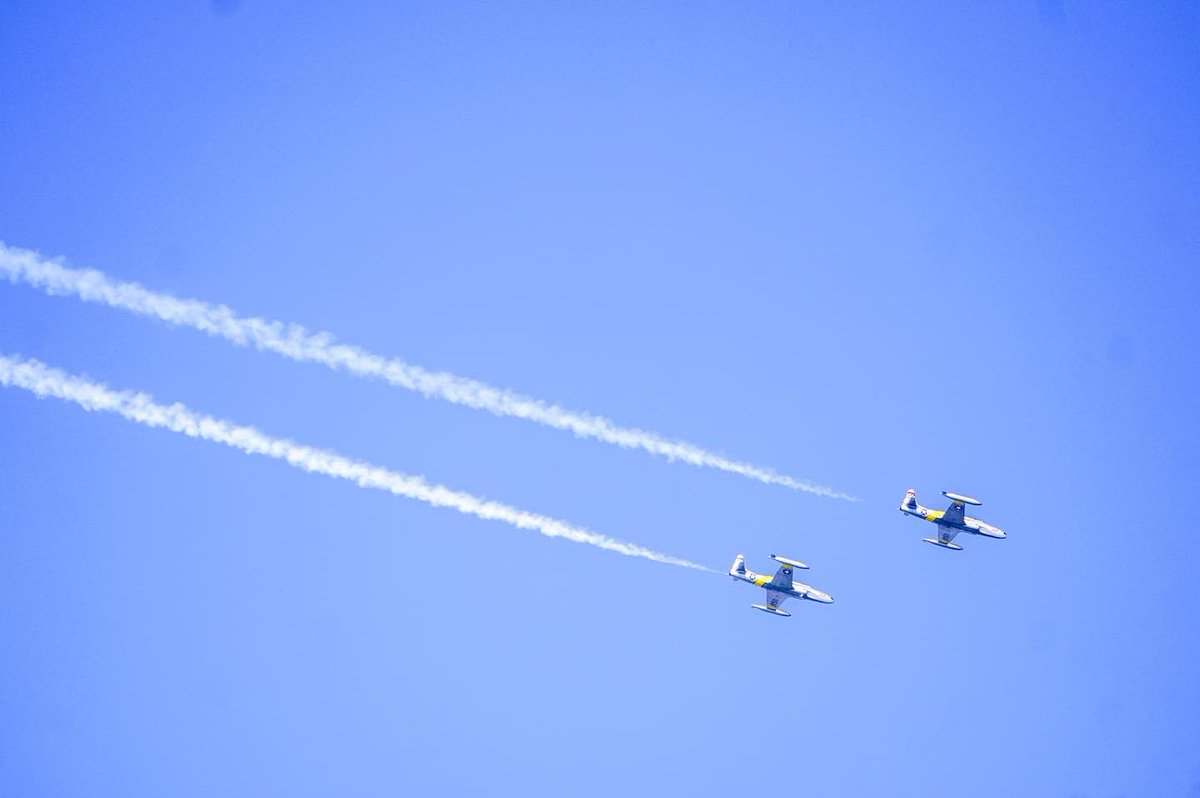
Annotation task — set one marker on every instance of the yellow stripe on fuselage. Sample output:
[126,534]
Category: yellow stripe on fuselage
[762,580]
[934,515]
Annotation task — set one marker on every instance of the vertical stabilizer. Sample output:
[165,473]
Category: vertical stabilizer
[739,566]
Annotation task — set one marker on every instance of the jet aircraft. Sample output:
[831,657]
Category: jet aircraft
[780,587]
[950,521]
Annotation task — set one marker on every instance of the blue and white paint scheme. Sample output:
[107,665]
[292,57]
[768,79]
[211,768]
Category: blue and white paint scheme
[780,587]
[950,521]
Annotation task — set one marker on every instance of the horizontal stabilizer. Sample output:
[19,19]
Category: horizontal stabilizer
[958,497]
[789,561]
[945,544]
[772,610]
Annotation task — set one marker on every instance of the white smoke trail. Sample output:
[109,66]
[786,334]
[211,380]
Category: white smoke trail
[43,380]
[295,342]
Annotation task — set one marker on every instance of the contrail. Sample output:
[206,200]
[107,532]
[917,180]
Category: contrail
[44,380]
[295,342]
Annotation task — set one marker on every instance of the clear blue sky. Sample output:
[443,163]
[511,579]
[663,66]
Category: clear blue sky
[952,246]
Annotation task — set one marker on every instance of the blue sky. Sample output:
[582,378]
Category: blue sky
[878,247]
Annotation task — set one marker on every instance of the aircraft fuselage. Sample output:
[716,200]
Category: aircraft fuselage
[799,589]
[972,525]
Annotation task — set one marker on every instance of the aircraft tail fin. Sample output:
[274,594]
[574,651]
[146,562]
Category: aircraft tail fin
[909,502]
[739,566]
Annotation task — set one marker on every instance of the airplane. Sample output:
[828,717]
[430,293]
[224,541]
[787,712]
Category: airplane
[779,588]
[950,521]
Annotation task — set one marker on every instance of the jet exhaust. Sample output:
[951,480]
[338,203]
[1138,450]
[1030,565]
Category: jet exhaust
[45,381]
[296,343]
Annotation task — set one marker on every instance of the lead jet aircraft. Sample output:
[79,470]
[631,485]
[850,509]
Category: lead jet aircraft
[950,521]
[780,587]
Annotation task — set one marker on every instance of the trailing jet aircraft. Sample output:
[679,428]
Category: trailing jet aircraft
[950,521]
[780,587]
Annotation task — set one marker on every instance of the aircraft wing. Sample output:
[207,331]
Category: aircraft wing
[947,533]
[775,599]
[954,513]
[783,578]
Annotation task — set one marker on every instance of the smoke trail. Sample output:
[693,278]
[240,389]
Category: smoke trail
[46,381]
[295,342]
